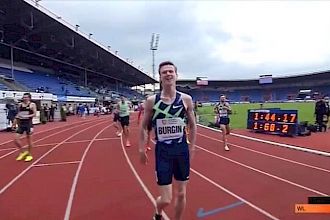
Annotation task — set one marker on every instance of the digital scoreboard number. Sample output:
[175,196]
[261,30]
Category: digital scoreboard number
[277,121]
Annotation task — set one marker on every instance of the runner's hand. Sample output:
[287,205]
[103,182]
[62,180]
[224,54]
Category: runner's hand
[144,157]
[191,153]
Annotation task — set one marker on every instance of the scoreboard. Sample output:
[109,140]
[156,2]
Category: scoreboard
[276,121]
[265,79]
[202,81]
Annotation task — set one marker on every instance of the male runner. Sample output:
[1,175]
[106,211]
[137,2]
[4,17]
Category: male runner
[123,108]
[223,110]
[167,111]
[26,111]
[116,120]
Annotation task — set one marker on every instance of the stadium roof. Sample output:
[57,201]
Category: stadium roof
[308,77]
[42,38]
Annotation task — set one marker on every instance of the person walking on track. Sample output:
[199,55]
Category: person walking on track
[167,111]
[222,110]
[26,111]
[123,108]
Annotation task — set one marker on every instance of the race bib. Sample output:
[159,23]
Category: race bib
[170,128]
[223,115]
[23,114]
[222,112]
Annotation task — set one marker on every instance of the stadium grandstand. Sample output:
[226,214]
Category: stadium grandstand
[249,149]
[40,52]
[300,87]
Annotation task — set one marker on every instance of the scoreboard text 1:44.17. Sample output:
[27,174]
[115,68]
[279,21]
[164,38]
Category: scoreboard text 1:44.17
[273,120]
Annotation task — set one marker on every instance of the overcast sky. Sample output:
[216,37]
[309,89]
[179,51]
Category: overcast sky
[220,39]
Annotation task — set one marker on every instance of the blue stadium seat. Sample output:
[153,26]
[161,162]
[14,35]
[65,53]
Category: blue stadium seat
[49,83]
[3,87]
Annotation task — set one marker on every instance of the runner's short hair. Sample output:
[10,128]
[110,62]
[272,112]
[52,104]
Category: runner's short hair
[165,63]
[28,94]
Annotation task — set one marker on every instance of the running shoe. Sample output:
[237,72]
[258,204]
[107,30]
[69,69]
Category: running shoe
[22,155]
[128,144]
[118,134]
[28,158]
[157,217]
[148,148]
[226,148]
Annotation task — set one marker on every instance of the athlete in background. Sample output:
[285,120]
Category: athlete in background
[123,108]
[26,111]
[222,110]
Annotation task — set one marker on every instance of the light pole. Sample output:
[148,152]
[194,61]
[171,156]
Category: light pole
[153,48]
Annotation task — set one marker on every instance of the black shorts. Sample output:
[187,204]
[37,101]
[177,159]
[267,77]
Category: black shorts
[115,117]
[124,121]
[27,128]
[172,160]
[224,121]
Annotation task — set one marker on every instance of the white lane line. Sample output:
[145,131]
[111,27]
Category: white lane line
[61,126]
[232,193]
[70,128]
[44,145]
[10,148]
[67,142]
[304,149]
[235,195]
[44,155]
[106,139]
[144,187]
[76,177]
[268,155]
[54,164]
[264,173]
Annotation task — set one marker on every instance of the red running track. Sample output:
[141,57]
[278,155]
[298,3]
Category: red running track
[317,141]
[82,171]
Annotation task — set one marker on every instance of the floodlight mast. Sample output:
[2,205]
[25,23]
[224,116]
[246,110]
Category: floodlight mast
[153,47]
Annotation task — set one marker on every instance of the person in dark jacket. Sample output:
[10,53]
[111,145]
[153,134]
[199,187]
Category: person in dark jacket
[12,112]
[327,104]
[321,113]
[52,112]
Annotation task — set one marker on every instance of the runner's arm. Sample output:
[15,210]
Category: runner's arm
[18,110]
[117,107]
[34,109]
[227,106]
[140,113]
[191,121]
[15,122]
[215,109]
[147,117]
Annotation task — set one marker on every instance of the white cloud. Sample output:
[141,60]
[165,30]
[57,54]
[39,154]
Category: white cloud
[268,32]
[218,39]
